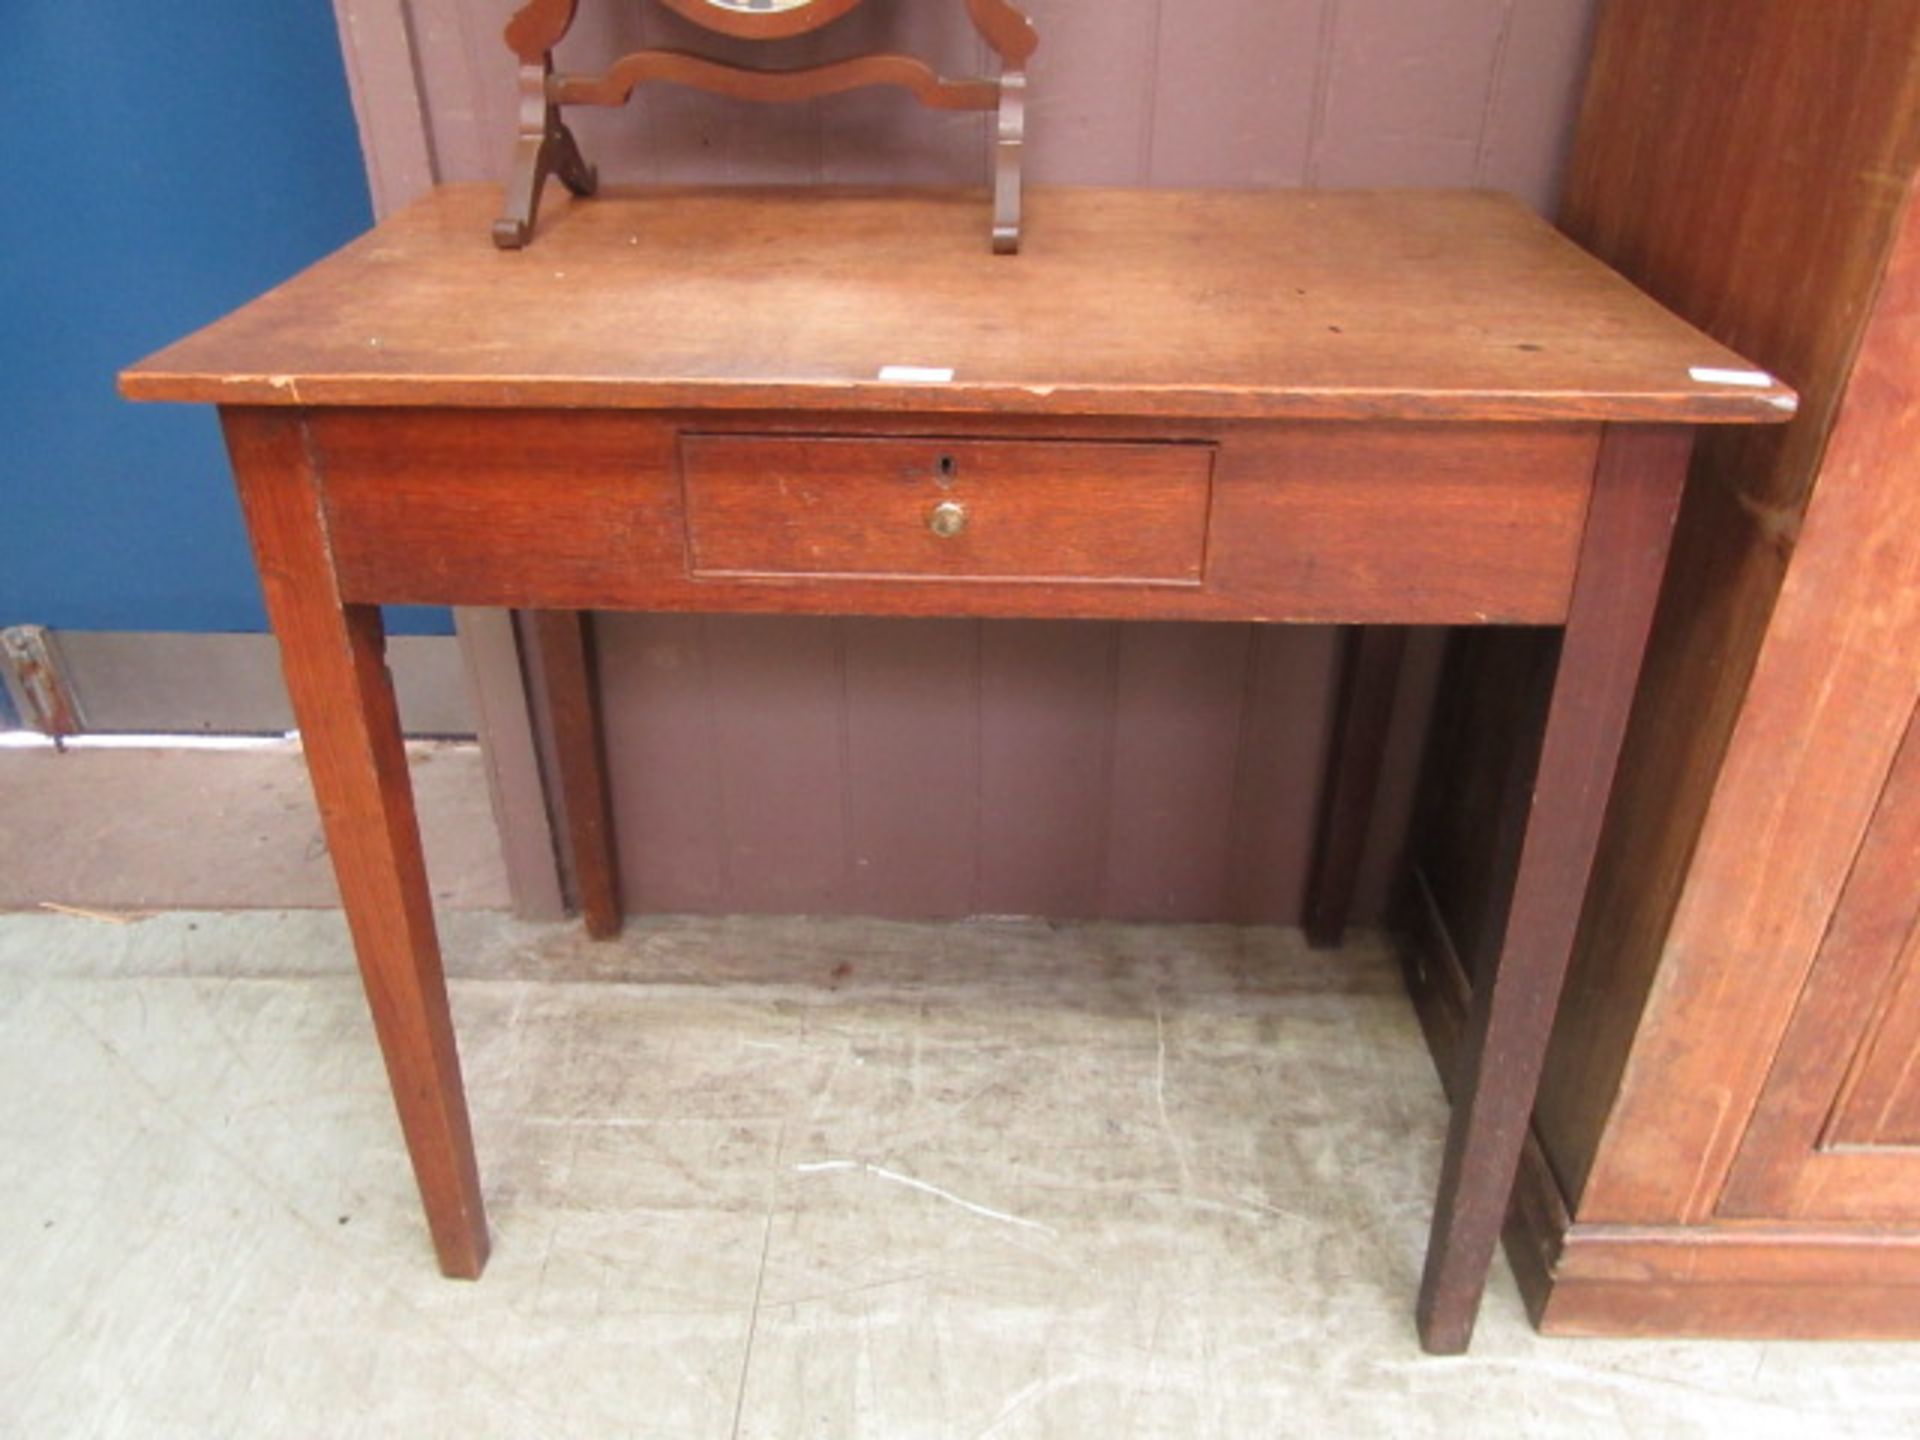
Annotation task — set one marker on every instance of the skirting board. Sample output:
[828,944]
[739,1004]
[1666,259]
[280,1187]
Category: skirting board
[171,683]
[1738,1280]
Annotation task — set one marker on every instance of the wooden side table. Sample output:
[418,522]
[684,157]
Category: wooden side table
[1372,409]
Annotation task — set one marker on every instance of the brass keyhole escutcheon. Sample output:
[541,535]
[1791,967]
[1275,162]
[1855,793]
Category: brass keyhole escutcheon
[947,519]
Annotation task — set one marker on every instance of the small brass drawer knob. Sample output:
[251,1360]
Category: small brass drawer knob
[947,519]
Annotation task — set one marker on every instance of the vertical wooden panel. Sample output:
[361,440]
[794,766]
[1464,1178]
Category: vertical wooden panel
[885,137]
[663,762]
[1474,803]
[1883,1109]
[780,734]
[1177,717]
[1046,755]
[1283,736]
[376,40]
[1535,94]
[634,145]
[1234,92]
[1364,702]
[913,780]
[1090,105]
[1834,684]
[1400,773]
[1839,1075]
[558,654]
[466,84]
[490,651]
[1748,165]
[1407,95]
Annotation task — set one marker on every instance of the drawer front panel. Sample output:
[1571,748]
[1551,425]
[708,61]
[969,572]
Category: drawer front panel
[1391,523]
[946,509]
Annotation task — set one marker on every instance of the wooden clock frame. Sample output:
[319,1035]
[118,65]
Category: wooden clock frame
[718,15]
[546,147]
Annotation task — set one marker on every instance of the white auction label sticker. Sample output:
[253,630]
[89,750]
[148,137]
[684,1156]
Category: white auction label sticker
[1707,375]
[916,374]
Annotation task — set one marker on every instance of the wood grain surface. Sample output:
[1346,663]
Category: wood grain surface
[1833,1134]
[561,672]
[333,654]
[1069,510]
[1503,1045]
[1765,1282]
[1818,612]
[1397,305]
[1469,524]
[1721,1150]
[1371,659]
[1398,269]
[1749,165]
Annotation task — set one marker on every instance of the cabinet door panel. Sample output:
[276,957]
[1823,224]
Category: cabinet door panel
[1837,1132]
[1881,1104]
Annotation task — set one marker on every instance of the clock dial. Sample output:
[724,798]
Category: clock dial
[762,19]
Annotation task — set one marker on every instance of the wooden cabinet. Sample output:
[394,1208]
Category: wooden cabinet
[1728,1135]
[1836,1132]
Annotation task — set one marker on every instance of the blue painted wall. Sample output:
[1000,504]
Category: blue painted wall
[164,162]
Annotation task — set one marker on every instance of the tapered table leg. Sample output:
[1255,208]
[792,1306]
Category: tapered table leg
[1636,493]
[333,655]
[1370,659]
[561,675]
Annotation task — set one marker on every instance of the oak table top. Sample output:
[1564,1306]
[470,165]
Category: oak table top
[1199,304]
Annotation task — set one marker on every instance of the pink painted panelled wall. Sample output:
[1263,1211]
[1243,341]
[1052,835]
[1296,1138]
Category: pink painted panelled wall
[960,767]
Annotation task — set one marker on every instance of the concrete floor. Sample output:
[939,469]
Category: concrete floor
[168,826]
[777,1178]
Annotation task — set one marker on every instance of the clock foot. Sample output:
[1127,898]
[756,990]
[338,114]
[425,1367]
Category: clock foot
[1009,143]
[543,149]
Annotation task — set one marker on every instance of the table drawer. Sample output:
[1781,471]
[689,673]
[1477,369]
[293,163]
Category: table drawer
[1043,510]
[1364,524]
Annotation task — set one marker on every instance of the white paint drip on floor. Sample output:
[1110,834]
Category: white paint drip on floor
[880,1172]
[1160,1098]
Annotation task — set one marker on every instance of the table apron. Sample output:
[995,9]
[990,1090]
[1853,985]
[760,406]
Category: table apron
[1363,522]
